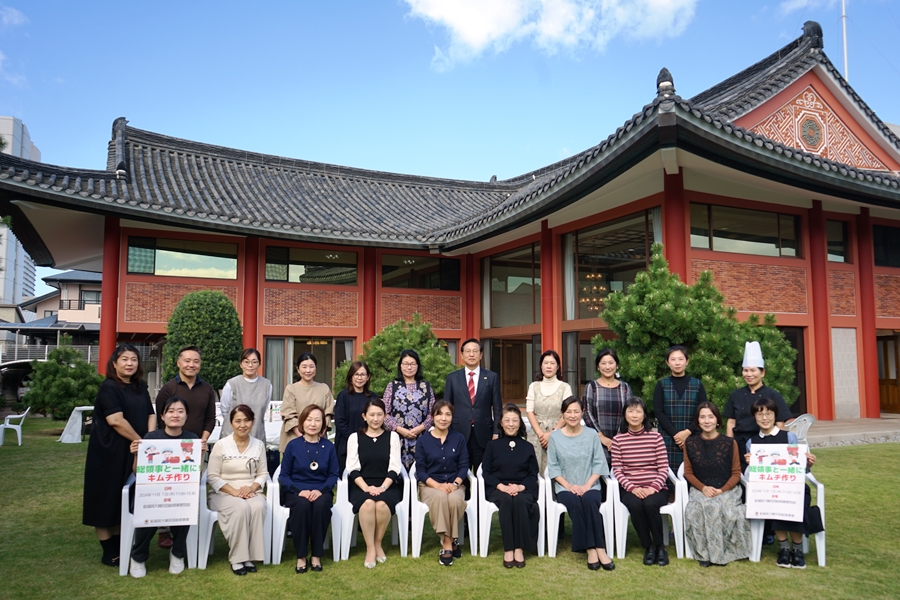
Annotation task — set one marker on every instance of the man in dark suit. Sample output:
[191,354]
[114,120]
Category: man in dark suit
[475,395]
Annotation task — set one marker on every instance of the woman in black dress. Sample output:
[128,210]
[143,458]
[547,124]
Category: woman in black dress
[510,472]
[373,462]
[349,408]
[123,413]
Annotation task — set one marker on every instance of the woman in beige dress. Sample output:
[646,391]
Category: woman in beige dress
[542,405]
[298,396]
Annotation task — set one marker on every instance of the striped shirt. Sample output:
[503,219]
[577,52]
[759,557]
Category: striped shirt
[640,460]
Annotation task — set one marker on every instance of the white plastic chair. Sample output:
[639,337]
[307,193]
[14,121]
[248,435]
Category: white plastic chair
[554,510]
[280,516]
[685,499]
[757,527]
[419,509]
[126,533]
[486,510]
[674,510]
[800,426]
[8,424]
[209,518]
[399,533]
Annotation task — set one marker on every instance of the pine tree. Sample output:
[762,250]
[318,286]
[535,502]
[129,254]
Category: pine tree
[659,310]
[208,320]
[62,382]
[382,353]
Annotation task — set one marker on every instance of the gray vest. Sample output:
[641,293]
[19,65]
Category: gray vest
[256,396]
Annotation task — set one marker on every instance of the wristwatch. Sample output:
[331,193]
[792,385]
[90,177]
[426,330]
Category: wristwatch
[454,483]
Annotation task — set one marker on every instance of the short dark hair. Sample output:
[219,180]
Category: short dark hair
[713,408]
[439,405]
[241,408]
[677,348]
[469,341]
[763,404]
[513,409]
[415,355]
[248,352]
[111,366]
[540,373]
[172,400]
[567,402]
[632,402]
[189,349]
[356,366]
[304,414]
[377,403]
[607,352]
[306,356]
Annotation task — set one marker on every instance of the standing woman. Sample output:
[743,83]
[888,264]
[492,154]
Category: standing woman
[301,394]
[123,413]
[510,472]
[349,408]
[545,396]
[408,402]
[641,468]
[715,522]
[576,462]
[237,472]
[604,398]
[373,460]
[309,473]
[442,465]
[675,401]
[249,389]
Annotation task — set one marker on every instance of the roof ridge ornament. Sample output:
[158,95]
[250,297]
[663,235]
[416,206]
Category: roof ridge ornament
[813,32]
[665,84]
[118,132]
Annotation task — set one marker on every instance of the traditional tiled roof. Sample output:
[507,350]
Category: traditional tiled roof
[743,92]
[74,276]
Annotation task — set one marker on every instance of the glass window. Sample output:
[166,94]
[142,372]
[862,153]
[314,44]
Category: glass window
[90,296]
[744,231]
[419,272]
[305,265]
[837,241]
[516,287]
[50,313]
[887,245]
[182,258]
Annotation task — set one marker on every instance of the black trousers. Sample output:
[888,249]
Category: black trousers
[587,523]
[140,551]
[645,516]
[309,522]
[519,520]
[476,452]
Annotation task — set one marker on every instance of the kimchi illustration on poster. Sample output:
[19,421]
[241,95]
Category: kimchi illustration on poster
[167,492]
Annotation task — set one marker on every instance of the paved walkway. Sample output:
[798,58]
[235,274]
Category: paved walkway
[849,430]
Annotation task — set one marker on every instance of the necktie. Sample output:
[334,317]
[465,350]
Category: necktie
[472,386]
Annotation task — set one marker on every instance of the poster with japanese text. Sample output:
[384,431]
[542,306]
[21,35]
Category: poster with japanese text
[777,481]
[167,490]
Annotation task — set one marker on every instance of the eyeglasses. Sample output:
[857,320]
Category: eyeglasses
[409,364]
[361,375]
[252,363]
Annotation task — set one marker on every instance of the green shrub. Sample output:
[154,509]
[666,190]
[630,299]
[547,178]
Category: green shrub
[62,382]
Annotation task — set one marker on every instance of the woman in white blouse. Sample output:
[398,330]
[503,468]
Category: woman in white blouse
[237,473]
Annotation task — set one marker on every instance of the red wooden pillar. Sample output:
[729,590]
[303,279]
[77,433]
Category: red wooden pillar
[674,216]
[109,290]
[818,260]
[548,315]
[473,318]
[369,283]
[866,255]
[251,292]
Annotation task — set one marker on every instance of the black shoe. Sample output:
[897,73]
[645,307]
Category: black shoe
[784,558]
[650,556]
[594,566]
[303,569]
[446,558]
[520,564]
[610,566]
[662,557]
[251,568]
[509,564]
[457,552]
[798,561]
[241,571]
[705,563]
[317,568]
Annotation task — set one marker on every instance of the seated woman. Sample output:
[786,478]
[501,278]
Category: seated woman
[174,415]
[236,473]
[790,553]
[715,522]
[373,462]
[309,472]
[640,465]
[442,464]
[510,472]
[576,462]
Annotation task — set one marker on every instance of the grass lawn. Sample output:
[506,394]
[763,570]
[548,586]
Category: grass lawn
[45,552]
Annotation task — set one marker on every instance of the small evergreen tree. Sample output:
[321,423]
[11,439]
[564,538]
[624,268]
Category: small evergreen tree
[208,320]
[659,310]
[382,352]
[62,382]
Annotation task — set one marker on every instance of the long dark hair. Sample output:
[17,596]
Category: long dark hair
[412,353]
[111,366]
[540,373]
[356,366]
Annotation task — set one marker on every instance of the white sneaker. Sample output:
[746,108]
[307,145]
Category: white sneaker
[137,569]
[176,565]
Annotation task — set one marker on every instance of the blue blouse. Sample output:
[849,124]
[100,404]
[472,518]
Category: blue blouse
[296,475]
[442,462]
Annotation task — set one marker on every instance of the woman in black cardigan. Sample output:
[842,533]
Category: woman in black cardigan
[510,472]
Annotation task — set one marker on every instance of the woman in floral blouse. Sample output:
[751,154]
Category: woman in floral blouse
[408,400]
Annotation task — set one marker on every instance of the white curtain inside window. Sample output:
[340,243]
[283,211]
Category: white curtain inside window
[656,223]
[569,279]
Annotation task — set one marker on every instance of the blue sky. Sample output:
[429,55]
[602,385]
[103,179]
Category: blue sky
[461,89]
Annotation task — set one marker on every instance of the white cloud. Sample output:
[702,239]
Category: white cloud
[11,78]
[789,6]
[10,17]
[476,26]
